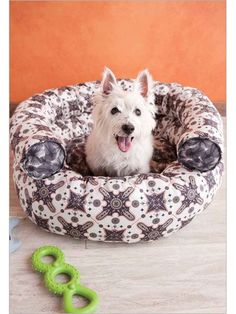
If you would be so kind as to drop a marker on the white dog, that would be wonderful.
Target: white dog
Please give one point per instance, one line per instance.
(121, 142)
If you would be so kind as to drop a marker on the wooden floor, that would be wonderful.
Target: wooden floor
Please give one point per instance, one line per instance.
(185, 273)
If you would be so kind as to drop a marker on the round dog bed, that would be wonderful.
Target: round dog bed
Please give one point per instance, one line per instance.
(56, 191)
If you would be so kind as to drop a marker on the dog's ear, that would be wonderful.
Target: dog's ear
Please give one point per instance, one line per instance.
(144, 83)
(108, 81)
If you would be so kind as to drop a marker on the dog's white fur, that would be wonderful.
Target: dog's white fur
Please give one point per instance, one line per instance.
(103, 154)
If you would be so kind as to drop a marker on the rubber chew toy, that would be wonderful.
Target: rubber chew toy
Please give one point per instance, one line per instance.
(69, 289)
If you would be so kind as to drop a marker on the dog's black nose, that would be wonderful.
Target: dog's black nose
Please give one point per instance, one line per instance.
(128, 128)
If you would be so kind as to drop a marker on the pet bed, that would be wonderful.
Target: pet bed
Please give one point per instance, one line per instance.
(48, 132)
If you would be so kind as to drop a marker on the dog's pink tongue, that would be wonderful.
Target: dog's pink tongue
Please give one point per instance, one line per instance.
(124, 143)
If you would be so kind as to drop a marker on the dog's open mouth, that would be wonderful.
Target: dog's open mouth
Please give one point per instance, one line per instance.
(124, 143)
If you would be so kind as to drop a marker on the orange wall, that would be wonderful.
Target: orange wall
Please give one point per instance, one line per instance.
(59, 43)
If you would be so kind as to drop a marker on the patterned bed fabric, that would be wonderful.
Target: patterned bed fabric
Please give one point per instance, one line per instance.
(59, 194)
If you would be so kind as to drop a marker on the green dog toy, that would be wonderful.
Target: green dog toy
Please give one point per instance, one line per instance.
(69, 289)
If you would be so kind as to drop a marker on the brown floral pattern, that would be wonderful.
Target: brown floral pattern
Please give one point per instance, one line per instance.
(59, 194)
(116, 203)
(191, 196)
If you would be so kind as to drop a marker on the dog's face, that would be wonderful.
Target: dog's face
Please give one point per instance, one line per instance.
(124, 117)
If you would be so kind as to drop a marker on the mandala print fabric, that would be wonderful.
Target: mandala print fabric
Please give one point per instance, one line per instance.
(58, 193)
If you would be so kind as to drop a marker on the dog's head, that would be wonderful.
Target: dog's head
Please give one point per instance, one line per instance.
(124, 117)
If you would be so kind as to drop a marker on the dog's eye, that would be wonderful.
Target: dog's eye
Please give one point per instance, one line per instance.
(137, 112)
(114, 110)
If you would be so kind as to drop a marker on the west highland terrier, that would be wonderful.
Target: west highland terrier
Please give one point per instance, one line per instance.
(121, 142)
